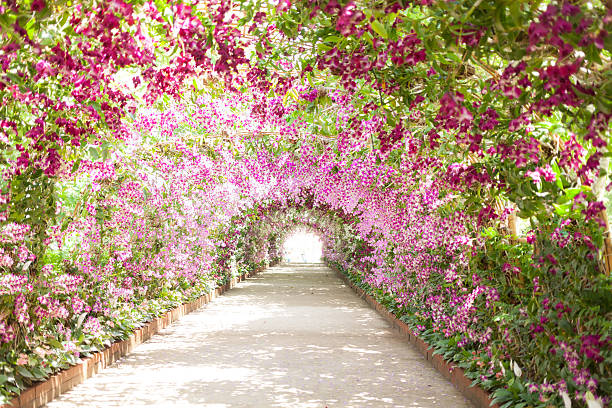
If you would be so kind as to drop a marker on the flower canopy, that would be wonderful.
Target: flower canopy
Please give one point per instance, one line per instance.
(150, 150)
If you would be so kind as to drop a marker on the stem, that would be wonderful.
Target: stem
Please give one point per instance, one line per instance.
(470, 11)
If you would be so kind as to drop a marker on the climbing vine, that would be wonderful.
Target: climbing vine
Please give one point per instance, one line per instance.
(151, 149)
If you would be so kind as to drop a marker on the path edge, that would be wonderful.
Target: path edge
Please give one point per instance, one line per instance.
(41, 393)
(456, 375)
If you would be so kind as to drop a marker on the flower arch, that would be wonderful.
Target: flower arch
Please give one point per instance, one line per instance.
(150, 149)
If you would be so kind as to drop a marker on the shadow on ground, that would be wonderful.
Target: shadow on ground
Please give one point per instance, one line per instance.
(294, 336)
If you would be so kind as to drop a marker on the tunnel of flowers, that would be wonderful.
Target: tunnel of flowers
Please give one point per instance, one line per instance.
(452, 156)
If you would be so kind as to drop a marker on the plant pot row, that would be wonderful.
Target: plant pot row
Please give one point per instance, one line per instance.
(42, 393)
(456, 375)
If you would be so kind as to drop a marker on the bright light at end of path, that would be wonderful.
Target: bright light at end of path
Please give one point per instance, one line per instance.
(303, 247)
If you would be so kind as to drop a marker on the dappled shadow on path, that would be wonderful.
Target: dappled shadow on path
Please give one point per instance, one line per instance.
(295, 336)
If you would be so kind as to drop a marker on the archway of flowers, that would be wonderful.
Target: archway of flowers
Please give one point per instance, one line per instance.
(151, 149)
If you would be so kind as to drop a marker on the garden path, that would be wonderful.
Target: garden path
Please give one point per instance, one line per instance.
(294, 336)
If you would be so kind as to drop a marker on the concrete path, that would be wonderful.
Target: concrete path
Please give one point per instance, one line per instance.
(294, 336)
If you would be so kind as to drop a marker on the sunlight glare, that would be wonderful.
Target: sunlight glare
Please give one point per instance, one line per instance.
(303, 247)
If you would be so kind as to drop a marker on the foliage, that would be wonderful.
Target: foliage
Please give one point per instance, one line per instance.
(149, 150)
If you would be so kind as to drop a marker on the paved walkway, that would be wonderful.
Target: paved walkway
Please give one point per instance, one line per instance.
(294, 336)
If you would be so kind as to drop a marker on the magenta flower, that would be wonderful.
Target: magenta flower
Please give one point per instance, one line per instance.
(38, 5)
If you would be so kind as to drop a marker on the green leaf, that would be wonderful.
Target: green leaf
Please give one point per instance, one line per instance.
(105, 150)
(379, 29)
(562, 210)
(570, 193)
(38, 373)
(322, 48)
(95, 154)
(76, 165)
(558, 174)
(55, 343)
(333, 38)
(24, 372)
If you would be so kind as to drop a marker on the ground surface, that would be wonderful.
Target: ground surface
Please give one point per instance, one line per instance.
(294, 336)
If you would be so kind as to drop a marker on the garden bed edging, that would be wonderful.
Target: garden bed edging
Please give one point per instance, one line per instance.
(456, 375)
(41, 393)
